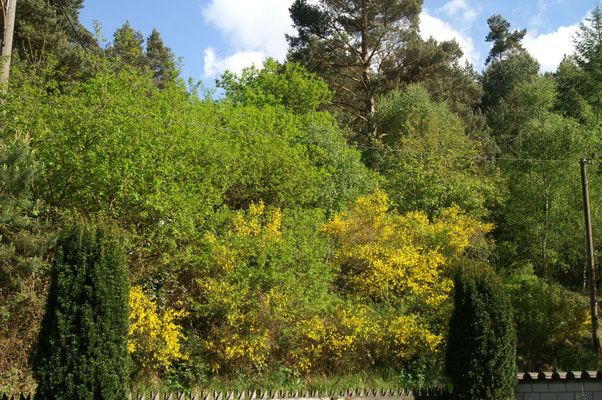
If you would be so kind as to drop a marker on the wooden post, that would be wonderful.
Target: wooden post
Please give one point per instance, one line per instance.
(590, 256)
(7, 44)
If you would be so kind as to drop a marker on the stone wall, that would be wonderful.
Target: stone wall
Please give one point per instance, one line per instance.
(586, 385)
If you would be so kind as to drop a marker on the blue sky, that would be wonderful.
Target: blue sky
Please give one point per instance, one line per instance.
(213, 35)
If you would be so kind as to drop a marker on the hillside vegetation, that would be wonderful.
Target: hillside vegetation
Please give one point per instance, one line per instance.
(302, 229)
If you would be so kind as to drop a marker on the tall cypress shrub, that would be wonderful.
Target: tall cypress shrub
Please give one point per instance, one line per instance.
(82, 346)
(481, 352)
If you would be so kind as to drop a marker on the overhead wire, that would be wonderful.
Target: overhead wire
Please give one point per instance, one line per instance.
(356, 146)
(79, 39)
(330, 143)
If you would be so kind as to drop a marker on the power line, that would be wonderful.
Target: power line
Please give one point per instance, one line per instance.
(330, 143)
(356, 146)
(79, 39)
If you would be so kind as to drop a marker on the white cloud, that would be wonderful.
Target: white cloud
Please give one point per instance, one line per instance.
(441, 30)
(550, 48)
(215, 65)
(461, 8)
(252, 27)
(538, 19)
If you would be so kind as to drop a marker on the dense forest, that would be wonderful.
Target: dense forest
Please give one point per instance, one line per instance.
(303, 227)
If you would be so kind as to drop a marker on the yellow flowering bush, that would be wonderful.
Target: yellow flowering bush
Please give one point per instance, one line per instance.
(268, 299)
(395, 264)
(155, 339)
(247, 290)
(381, 255)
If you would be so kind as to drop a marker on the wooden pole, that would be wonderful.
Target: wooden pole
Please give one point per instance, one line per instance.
(590, 256)
(7, 44)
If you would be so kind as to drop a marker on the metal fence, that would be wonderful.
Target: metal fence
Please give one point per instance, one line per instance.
(376, 394)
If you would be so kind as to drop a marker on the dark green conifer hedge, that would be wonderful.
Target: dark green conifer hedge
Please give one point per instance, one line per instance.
(82, 346)
(481, 352)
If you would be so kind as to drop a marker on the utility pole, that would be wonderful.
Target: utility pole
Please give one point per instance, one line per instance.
(590, 256)
(7, 43)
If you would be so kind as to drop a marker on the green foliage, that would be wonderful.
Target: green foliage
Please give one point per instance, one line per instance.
(570, 101)
(127, 46)
(288, 85)
(82, 346)
(429, 162)
(544, 199)
(160, 59)
(160, 162)
(588, 56)
(223, 202)
(552, 323)
(504, 42)
(24, 242)
(436, 66)
(481, 349)
(354, 45)
(52, 28)
(500, 78)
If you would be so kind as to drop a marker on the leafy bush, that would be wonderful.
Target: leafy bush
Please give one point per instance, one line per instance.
(264, 276)
(154, 340)
(551, 324)
(432, 164)
(481, 350)
(82, 346)
(393, 272)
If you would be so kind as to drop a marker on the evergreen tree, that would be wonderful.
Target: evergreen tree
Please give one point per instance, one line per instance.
(128, 49)
(481, 349)
(588, 56)
(570, 99)
(499, 81)
(127, 46)
(160, 60)
(52, 28)
(82, 347)
(24, 242)
(504, 41)
(354, 45)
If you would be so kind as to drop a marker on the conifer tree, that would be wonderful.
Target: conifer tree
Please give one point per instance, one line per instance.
(160, 59)
(52, 28)
(127, 46)
(588, 56)
(504, 41)
(481, 350)
(24, 243)
(82, 347)
(354, 45)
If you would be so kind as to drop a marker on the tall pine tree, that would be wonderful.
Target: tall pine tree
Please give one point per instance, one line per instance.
(354, 45)
(160, 60)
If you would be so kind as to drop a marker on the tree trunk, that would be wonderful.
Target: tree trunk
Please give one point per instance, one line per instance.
(366, 73)
(546, 227)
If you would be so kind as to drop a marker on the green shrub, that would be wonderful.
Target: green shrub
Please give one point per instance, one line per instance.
(552, 324)
(480, 359)
(82, 346)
